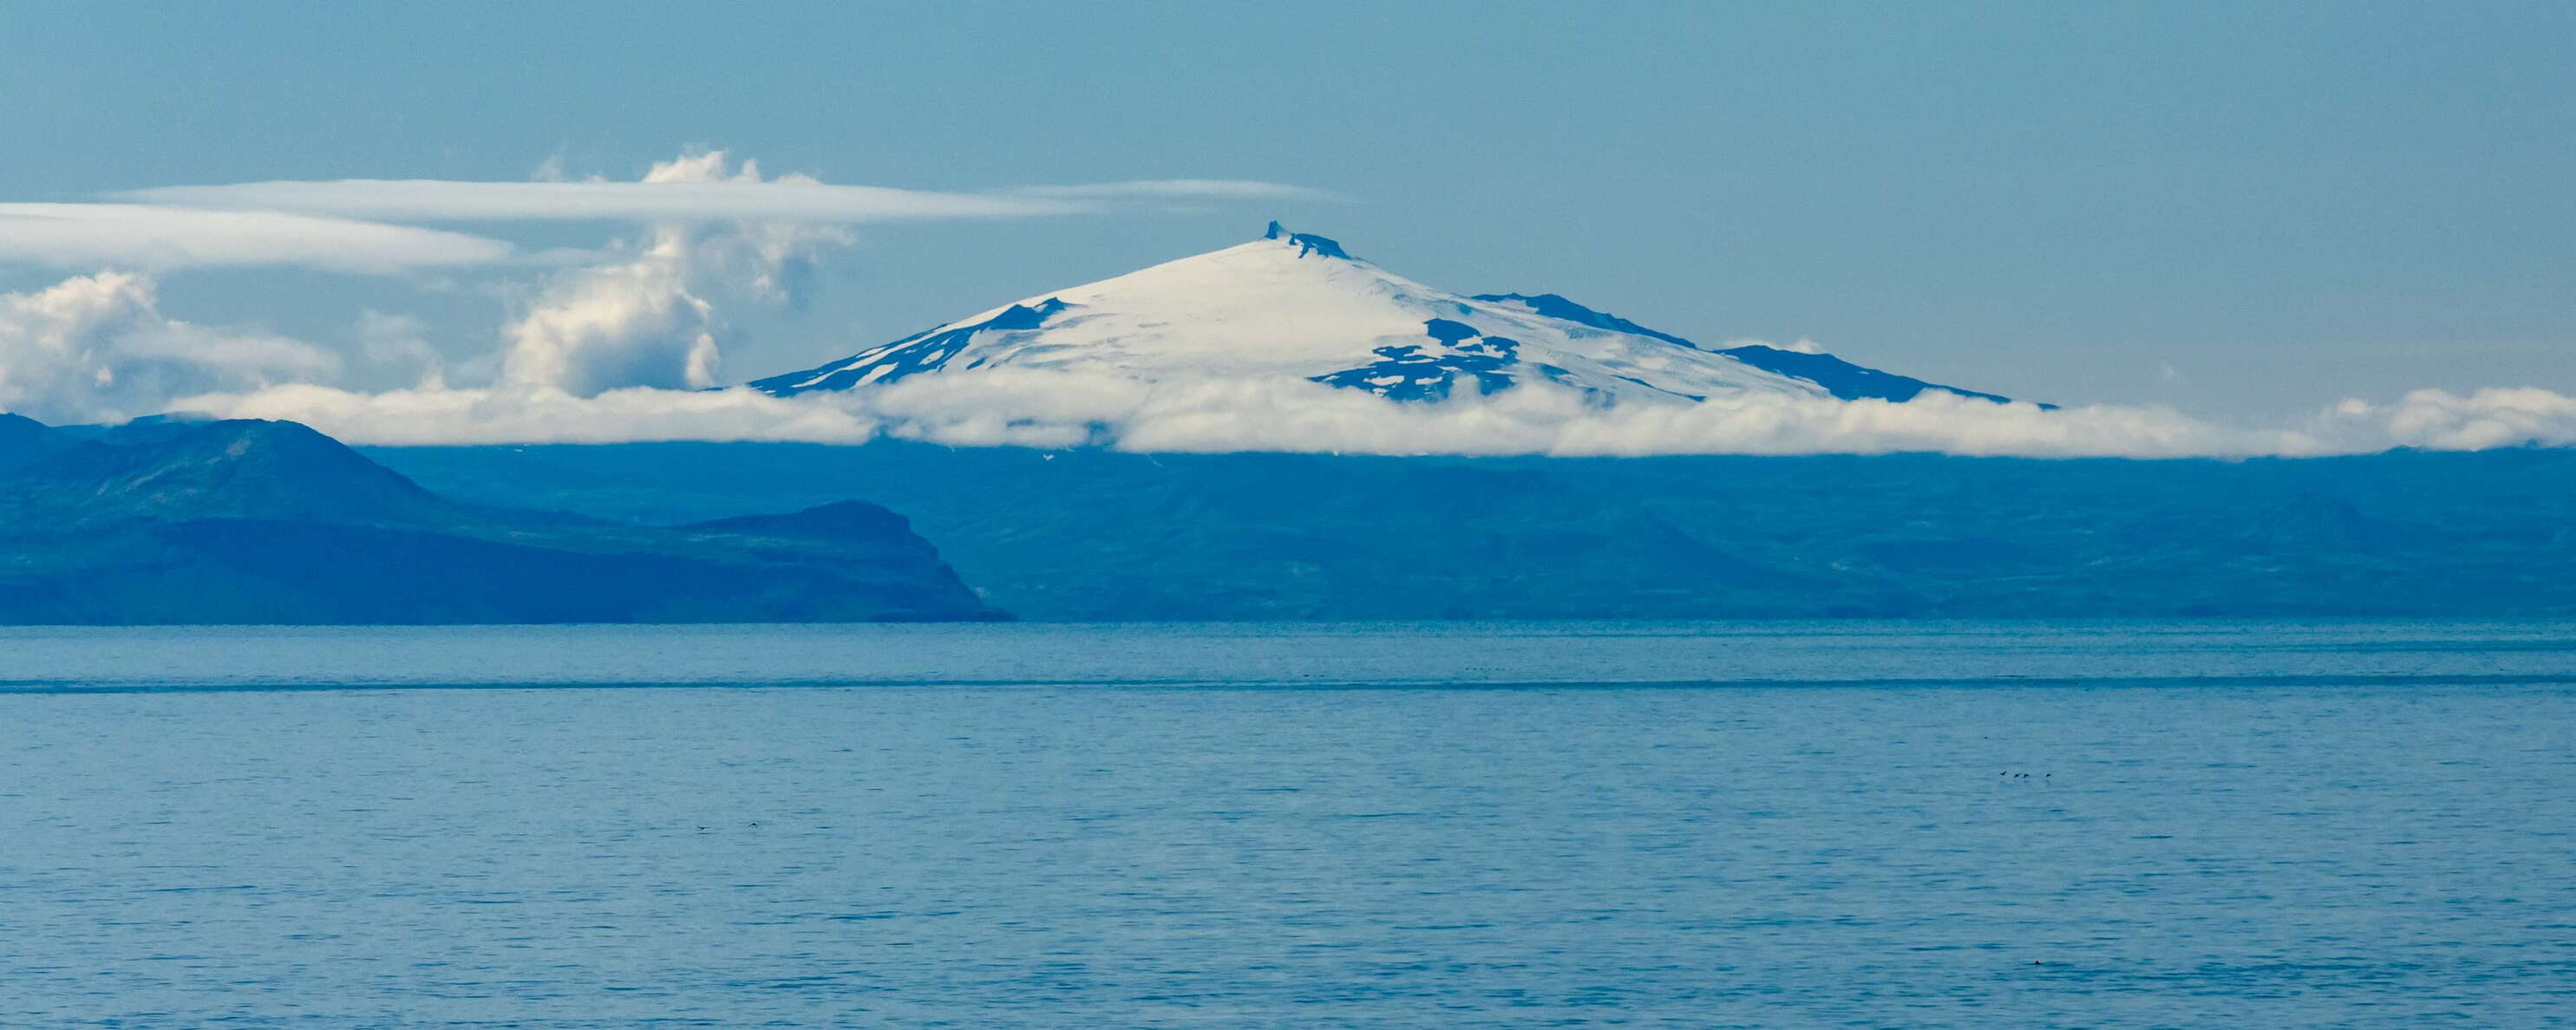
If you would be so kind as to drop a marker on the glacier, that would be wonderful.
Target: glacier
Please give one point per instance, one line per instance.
(1299, 306)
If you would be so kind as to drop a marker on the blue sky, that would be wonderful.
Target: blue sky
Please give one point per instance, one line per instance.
(2234, 210)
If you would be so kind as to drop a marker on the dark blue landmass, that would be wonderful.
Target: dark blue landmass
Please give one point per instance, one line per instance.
(173, 521)
(1089, 534)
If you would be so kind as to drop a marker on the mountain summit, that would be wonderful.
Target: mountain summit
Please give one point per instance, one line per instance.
(1294, 304)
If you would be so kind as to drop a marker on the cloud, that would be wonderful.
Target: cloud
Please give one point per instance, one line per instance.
(395, 351)
(437, 200)
(152, 238)
(1179, 189)
(540, 414)
(2439, 420)
(679, 190)
(1053, 409)
(344, 225)
(96, 347)
(627, 323)
(550, 170)
(1057, 409)
(648, 315)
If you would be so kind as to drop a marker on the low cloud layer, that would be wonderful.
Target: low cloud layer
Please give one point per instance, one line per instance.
(2439, 420)
(542, 414)
(1058, 410)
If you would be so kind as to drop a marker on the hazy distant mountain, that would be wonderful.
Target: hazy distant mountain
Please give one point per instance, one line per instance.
(1297, 305)
(263, 522)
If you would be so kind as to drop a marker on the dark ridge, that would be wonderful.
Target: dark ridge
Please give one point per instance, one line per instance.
(1309, 243)
(1554, 306)
(24, 440)
(1846, 380)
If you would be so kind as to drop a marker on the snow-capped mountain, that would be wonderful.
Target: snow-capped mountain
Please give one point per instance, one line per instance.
(1298, 305)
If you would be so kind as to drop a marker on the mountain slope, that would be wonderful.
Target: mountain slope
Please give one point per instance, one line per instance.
(1297, 305)
(24, 440)
(271, 522)
(1841, 378)
(241, 468)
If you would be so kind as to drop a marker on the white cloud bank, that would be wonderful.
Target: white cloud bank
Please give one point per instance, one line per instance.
(2439, 420)
(1057, 409)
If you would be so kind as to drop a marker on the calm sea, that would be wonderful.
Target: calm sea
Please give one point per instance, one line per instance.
(1853, 824)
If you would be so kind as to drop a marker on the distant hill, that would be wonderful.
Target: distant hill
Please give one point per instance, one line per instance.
(1090, 534)
(241, 469)
(271, 522)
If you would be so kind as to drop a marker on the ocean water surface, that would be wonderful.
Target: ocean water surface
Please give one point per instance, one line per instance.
(1826, 824)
